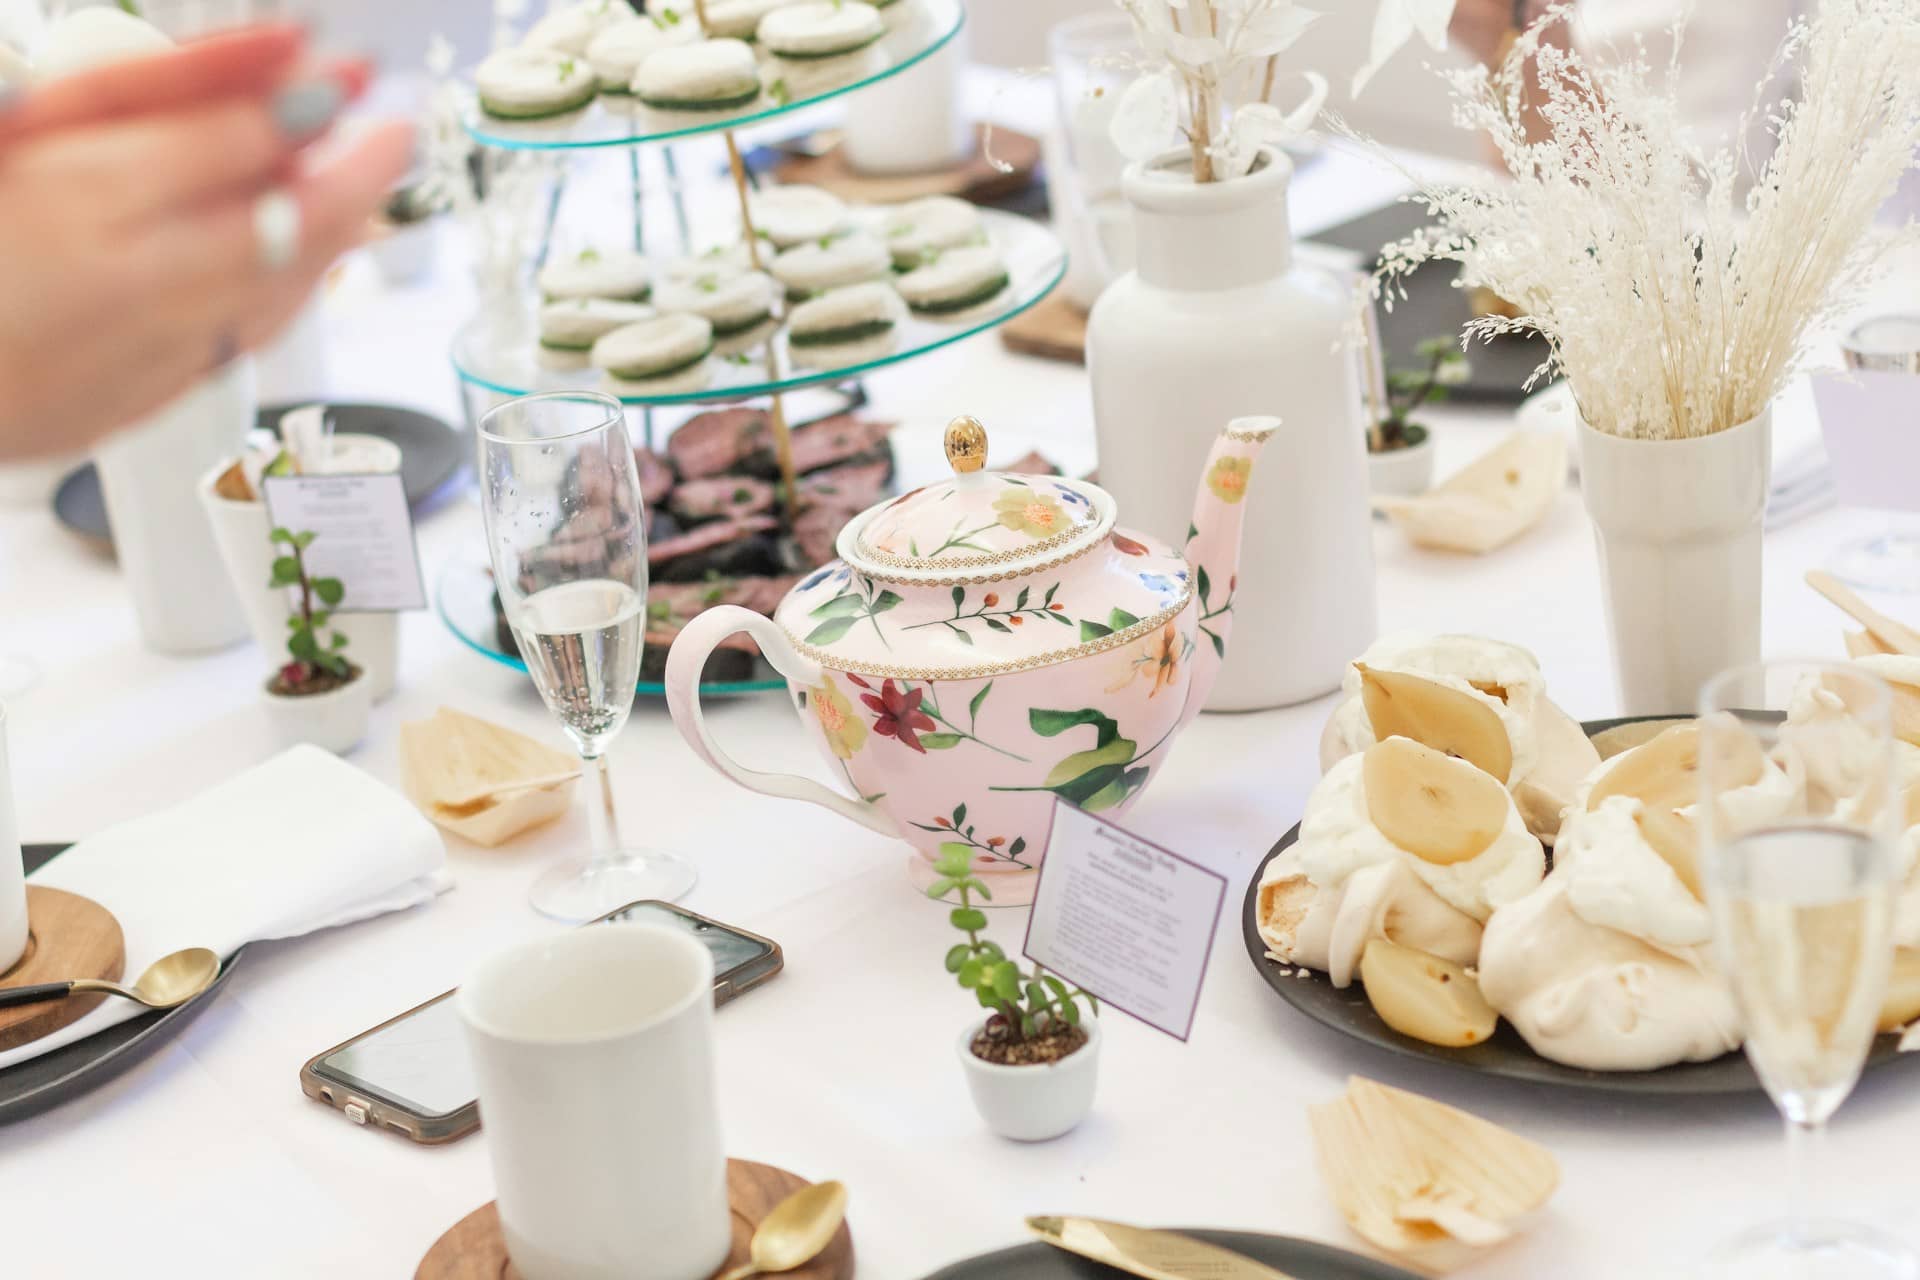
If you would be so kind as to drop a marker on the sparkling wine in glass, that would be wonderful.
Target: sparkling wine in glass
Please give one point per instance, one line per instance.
(566, 530)
(1798, 816)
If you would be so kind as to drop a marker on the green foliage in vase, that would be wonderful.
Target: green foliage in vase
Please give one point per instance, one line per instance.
(1442, 366)
(1020, 1004)
(310, 655)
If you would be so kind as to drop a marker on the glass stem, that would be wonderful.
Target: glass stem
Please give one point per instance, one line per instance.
(1806, 1153)
(602, 820)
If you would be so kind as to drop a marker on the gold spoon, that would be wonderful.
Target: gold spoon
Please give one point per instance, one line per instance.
(796, 1232)
(171, 980)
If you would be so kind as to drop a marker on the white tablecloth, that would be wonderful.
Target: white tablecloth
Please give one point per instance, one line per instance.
(208, 1161)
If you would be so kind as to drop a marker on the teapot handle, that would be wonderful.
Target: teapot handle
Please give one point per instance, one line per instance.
(688, 658)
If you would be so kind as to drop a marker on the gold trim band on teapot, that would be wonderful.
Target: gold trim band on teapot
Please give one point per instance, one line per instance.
(893, 561)
(886, 670)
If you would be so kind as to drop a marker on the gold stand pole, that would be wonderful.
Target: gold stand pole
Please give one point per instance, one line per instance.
(777, 412)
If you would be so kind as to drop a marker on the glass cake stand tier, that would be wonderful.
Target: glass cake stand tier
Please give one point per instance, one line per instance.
(499, 347)
(915, 29)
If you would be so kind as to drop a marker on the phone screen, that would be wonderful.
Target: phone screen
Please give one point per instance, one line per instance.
(420, 1064)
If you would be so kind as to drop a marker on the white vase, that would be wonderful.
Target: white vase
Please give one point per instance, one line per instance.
(1677, 524)
(240, 531)
(915, 122)
(1217, 322)
(335, 721)
(1038, 1102)
(13, 881)
(148, 475)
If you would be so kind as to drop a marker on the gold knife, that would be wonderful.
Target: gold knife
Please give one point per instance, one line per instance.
(1150, 1254)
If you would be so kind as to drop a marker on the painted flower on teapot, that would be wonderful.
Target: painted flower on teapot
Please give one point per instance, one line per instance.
(990, 644)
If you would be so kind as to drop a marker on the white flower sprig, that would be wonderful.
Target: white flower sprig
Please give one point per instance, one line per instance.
(1207, 72)
(1674, 306)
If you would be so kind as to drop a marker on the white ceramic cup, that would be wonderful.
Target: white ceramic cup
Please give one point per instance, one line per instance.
(13, 881)
(593, 1051)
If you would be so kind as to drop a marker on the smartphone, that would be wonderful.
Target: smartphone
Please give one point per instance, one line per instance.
(410, 1074)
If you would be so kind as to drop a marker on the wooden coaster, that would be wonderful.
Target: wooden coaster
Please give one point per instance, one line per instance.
(475, 1250)
(68, 937)
(1052, 328)
(972, 179)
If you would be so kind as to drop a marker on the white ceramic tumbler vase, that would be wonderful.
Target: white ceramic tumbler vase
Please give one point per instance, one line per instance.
(1677, 524)
(149, 474)
(13, 882)
(593, 1054)
(1216, 322)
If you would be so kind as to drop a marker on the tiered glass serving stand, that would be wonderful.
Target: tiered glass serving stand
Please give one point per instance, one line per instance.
(497, 354)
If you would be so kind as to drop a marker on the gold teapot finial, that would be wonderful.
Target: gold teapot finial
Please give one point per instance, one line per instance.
(966, 444)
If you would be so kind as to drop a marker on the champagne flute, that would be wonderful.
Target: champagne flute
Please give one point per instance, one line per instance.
(567, 533)
(1799, 813)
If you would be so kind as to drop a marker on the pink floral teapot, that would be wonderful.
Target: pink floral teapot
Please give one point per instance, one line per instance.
(988, 643)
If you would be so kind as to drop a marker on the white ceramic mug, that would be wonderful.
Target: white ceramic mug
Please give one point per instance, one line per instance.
(13, 882)
(593, 1051)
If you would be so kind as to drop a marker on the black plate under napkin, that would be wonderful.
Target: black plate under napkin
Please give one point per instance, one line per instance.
(431, 454)
(1303, 1259)
(74, 1069)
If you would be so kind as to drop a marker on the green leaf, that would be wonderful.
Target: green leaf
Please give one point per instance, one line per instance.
(1202, 581)
(1048, 598)
(960, 814)
(1060, 618)
(320, 618)
(979, 886)
(955, 859)
(1092, 631)
(939, 741)
(1071, 1012)
(994, 624)
(972, 919)
(962, 637)
(1193, 531)
(286, 572)
(957, 955)
(1054, 985)
(839, 607)
(1051, 724)
(885, 601)
(1020, 601)
(1006, 980)
(1118, 752)
(942, 887)
(1219, 645)
(830, 630)
(281, 535)
(987, 999)
(1116, 791)
(970, 972)
(301, 645)
(959, 597)
(1027, 1025)
(1035, 996)
(1120, 620)
(338, 642)
(304, 540)
(991, 950)
(1092, 1003)
(330, 590)
(979, 699)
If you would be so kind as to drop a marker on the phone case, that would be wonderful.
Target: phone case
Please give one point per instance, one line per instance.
(364, 1108)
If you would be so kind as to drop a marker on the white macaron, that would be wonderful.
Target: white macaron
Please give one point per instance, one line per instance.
(598, 273)
(790, 215)
(617, 51)
(578, 323)
(654, 348)
(570, 28)
(852, 314)
(706, 76)
(740, 19)
(955, 280)
(913, 229)
(831, 263)
(526, 84)
(821, 28)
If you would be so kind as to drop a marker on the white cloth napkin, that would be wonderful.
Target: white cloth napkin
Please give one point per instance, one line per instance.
(302, 842)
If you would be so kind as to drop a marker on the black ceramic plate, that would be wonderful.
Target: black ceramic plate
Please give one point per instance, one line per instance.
(1434, 308)
(1302, 1259)
(1506, 1054)
(431, 454)
(52, 1078)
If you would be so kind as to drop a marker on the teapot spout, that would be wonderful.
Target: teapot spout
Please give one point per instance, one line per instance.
(1213, 545)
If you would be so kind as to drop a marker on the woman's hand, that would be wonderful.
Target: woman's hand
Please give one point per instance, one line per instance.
(129, 246)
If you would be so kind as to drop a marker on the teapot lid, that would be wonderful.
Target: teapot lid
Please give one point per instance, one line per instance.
(978, 520)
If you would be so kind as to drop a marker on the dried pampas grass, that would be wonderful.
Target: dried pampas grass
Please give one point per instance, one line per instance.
(1674, 306)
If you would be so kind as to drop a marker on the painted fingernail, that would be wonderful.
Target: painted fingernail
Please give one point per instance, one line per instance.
(304, 109)
(10, 97)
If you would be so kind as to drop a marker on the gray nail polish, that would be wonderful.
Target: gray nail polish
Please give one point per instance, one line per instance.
(302, 110)
(10, 96)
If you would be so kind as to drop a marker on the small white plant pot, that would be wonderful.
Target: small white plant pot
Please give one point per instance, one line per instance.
(1033, 1103)
(335, 720)
(405, 255)
(1406, 472)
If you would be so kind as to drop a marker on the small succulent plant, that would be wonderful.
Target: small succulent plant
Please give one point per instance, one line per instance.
(311, 657)
(1443, 366)
(1020, 1005)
